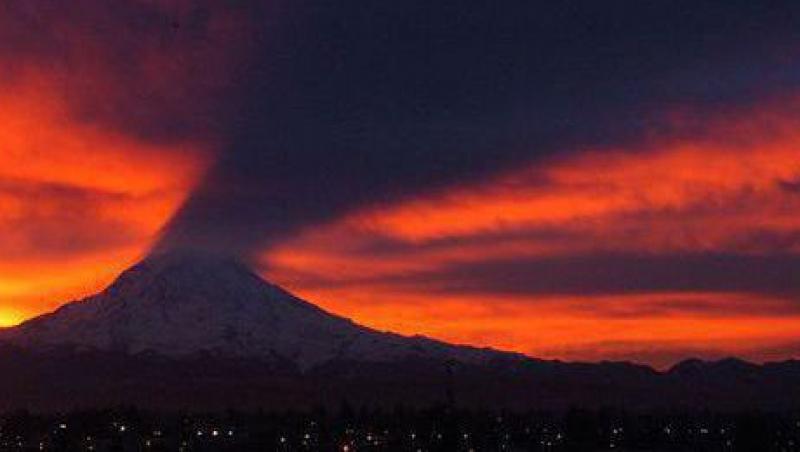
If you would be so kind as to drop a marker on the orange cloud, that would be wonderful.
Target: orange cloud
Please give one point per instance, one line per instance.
(598, 185)
(581, 328)
(735, 189)
(77, 201)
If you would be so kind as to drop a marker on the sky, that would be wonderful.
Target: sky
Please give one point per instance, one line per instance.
(577, 180)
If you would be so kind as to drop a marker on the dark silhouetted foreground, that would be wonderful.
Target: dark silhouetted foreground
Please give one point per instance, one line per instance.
(436, 429)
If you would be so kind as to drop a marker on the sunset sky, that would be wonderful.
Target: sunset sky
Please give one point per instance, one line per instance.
(579, 180)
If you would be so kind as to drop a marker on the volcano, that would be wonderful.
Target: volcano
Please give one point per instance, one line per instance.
(181, 304)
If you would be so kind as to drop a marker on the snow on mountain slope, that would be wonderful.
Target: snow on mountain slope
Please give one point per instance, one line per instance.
(181, 304)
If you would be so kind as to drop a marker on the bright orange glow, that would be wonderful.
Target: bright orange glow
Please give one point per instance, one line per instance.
(599, 185)
(9, 317)
(581, 328)
(77, 203)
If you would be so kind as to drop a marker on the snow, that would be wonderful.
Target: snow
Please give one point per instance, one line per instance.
(182, 304)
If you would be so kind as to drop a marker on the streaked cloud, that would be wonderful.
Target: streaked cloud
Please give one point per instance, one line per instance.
(694, 231)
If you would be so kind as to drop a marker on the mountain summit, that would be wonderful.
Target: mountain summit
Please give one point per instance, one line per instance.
(184, 304)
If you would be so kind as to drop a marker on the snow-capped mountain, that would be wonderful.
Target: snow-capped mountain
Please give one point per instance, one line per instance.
(183, 304)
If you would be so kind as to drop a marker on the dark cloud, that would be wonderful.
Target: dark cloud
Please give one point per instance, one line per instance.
(791, 186)
(319, 108)
(354, 104)
(55, 220)
(611, 274)
(676, 305)
(158, 70)
(46, 191)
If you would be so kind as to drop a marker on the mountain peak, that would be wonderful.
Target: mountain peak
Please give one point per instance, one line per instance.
(188, 265)
(182, 276)
(696, 366)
